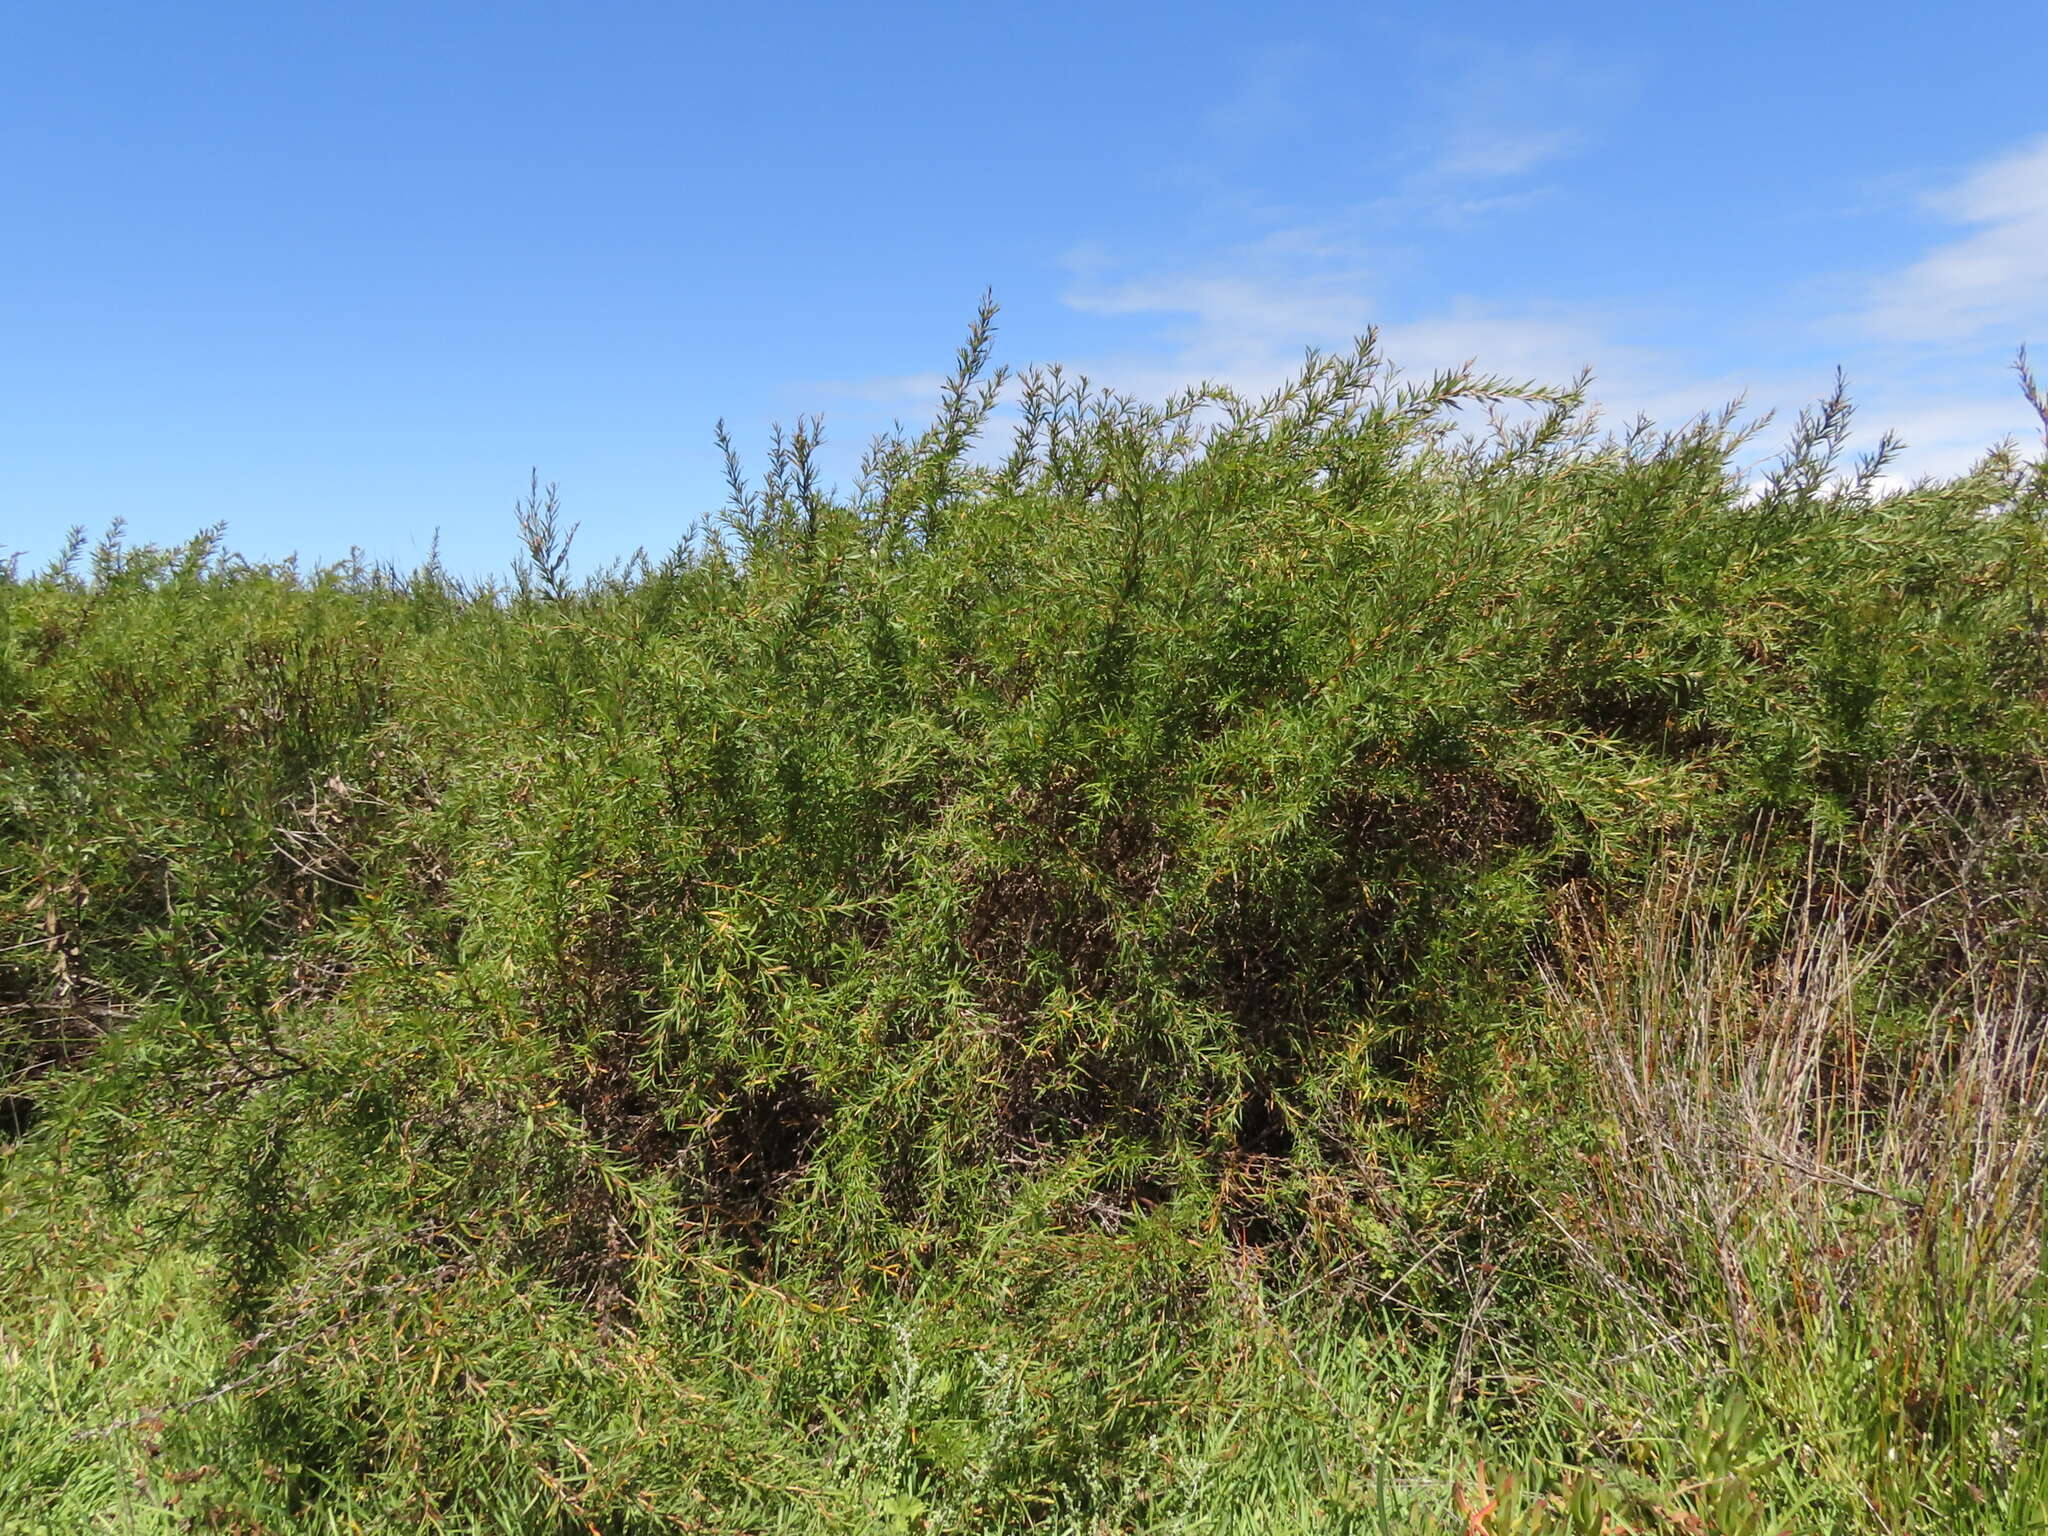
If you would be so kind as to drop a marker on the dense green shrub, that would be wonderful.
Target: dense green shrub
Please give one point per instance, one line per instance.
(1037, 995)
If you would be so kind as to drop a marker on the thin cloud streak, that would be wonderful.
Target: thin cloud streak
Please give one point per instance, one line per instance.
(1925, 354)
(1920, 357)
(1247, 324)
(1995, 278)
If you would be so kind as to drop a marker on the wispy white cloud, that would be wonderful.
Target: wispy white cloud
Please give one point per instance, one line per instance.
(1244, 314)
(1243, 317)
(1247, 323)
(1268, 102)
(1479, 125)
(1921, 353)
(1926, 354)
(1995, 278)
(1945, 434)
(1489, 155)
(1246, 317)
(917, 390)
(1499, 114)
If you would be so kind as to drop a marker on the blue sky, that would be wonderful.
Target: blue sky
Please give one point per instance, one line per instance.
(339, 274)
